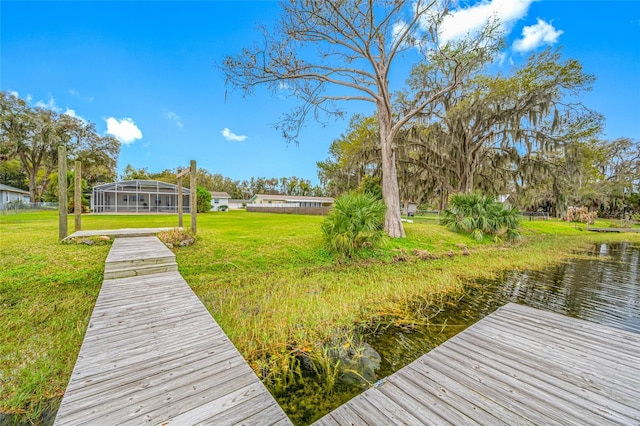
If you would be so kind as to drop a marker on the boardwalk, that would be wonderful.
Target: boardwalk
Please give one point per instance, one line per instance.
(152, 354)
(517, 366)
(115, 233)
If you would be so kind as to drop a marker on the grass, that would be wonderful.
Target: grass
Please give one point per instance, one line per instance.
(265, 278)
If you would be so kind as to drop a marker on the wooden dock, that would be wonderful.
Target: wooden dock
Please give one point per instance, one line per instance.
(618, 230)
(152, 354)
(117, 233)
(518, 366)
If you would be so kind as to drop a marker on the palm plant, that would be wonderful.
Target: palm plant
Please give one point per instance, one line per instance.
(480, 215)
(356, 221)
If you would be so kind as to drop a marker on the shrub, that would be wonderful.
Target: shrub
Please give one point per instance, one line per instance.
(480, 215)
(203, 201)
(356, 221)
(580, 215)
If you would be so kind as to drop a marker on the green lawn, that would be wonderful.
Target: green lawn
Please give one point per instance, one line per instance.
(264, 277)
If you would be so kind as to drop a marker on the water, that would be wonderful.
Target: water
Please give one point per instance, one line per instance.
(602, 287)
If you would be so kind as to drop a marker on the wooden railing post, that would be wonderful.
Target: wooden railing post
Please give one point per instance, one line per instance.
(194, 197)
(62, 192)
(77, 197)
(180, 201)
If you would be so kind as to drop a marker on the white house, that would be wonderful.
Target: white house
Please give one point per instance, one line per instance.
(237, 204)
(219, 200)
(9, 194)
(290, 200)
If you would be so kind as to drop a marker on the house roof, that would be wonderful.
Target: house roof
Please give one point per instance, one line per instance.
(219, 194)
(291, 198)
(8, 188)
(139, 185)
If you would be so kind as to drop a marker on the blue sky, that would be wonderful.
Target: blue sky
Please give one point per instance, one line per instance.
(144, 72)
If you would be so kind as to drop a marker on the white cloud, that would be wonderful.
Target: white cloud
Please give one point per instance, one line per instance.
(230, 136)
(469, 20)
(50, 104)
(534, 36)
(174, 117)
(124, 129)
(14, 93)
(72, 113)
(397, 29)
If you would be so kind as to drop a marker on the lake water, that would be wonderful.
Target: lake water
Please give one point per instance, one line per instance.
(603, 286)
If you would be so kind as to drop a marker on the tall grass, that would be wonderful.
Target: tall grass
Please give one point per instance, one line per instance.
(266, 278)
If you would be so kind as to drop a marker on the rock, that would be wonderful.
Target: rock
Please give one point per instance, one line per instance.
(169, 245)
(87, 242)
(465, 252)
(187, 242)
(104, 238)
(358, 367)
(451, 253)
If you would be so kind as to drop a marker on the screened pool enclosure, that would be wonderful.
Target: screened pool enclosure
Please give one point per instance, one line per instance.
(138, 196)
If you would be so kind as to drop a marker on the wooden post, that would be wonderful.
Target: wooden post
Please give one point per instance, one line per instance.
(62, 192)
(194, 200)
(180, 201)
(77, 197)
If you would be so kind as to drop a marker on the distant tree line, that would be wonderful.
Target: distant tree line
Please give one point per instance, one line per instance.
(239, 189)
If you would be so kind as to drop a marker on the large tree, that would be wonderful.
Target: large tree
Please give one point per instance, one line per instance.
(494, 132)
(32, 135)
(334, 50)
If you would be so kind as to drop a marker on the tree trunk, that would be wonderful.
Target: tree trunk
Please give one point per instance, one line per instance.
(390, 191)
(32, 186)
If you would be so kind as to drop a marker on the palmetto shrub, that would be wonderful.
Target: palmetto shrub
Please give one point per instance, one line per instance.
(356, 221)
(480, 215)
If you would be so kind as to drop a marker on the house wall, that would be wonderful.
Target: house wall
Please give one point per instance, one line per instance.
(236, 205)
(288, 209)
(216, 202)
(10, 196)
(142, 202)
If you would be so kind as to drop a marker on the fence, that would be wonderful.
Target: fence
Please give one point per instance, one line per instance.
(284, 209)
(535, 215)
(19, 206)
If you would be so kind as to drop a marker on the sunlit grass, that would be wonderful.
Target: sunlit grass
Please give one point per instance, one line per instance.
(266, 279)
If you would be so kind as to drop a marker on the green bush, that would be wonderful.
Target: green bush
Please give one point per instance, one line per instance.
(480, 215)
(355, 222)
(203, 200)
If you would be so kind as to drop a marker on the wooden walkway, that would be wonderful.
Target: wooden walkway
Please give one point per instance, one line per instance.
(614, 229)
(152, 354)
(518, 366)
(116, 233)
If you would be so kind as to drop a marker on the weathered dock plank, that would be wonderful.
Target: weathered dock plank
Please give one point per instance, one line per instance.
(153, 354)
(117, 233)
(519, 365)
(614, 229)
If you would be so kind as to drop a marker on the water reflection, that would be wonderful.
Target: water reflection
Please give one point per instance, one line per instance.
(604, 287)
